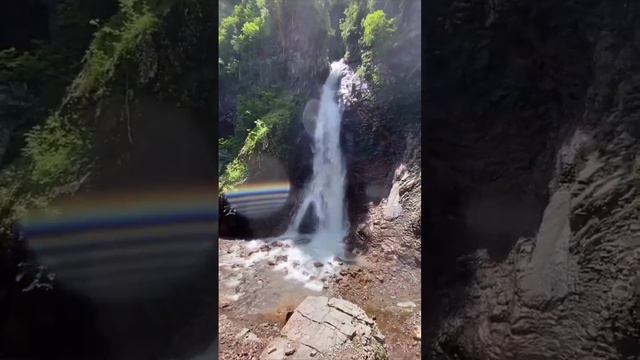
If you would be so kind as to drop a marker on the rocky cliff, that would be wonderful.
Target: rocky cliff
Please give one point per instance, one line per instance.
(381, 121)
(532, 149)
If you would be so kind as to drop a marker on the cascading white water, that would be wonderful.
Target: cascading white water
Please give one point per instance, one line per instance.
(326, 190)
(310, 257)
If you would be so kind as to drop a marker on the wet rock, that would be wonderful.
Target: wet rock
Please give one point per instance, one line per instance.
(406, 304)
(324, 327)
(242, 333)
(281, 258)
(290, 351)
(309, 222)
(251, 337)
(393, 208)
(265, 248)
(303, 240)
(318, 264)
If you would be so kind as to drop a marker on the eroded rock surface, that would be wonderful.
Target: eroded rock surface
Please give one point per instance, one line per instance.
(552, 271)
(326, 328)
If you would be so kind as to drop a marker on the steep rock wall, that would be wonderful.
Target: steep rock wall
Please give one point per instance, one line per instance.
(531, 148)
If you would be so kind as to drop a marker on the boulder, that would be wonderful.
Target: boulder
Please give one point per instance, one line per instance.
(326, 328)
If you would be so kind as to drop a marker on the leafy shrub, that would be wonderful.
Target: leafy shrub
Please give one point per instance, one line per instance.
(265, 118)
(55, 151)
(228, 149)
(235, 173)
(350, 24)
(243, 35)
(377, 30)
(113, 44)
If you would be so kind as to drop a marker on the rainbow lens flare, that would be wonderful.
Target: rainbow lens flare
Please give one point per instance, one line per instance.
(128, 244)
(260, 199)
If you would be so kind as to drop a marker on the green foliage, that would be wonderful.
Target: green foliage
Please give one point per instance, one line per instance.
(350, 25)
(235, 173)
(248, 37)
(369, 70)
(377, 30)
(255, 139)
(265, 118)
(113, 44)
(256, 104)
(243, 35)
(55, 151)
(227, 29)
(53, 156)
(24, 67)
(228, 149)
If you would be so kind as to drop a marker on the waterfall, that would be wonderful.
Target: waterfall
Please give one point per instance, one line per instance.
(325, 191)
(307, 253)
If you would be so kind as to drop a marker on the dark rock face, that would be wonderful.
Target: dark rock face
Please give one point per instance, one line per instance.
(309, 222)
(232, 225)
(23, 22)
(532, 194)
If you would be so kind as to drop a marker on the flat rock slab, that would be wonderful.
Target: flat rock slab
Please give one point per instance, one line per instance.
(320, 327)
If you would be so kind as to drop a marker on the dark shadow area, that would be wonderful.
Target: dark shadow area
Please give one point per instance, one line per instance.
(46, 322)
(157, 144)
(172, 148)
(32, 17)
(500, 98)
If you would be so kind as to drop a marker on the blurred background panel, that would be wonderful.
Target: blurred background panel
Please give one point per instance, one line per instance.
(108, 179)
